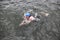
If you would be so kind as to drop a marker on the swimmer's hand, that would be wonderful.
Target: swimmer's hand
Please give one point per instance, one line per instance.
(20, 24)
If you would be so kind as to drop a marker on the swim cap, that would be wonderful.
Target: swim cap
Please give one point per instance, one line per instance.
(27, 14)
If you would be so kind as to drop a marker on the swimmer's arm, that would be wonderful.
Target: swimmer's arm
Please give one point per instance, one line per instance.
(23, 23)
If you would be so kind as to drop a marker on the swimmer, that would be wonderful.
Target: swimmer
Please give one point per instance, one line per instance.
(28, 18)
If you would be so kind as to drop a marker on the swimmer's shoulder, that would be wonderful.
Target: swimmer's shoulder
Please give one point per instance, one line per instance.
(32, 18)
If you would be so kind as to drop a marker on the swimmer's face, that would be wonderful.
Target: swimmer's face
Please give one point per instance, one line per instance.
(27, 17)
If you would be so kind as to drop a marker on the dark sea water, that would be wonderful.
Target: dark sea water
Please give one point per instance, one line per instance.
(11, 13)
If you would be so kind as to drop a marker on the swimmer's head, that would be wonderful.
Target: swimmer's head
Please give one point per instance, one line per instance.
(27, 14)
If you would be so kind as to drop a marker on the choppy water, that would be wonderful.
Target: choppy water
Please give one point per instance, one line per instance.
(48, 28)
